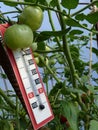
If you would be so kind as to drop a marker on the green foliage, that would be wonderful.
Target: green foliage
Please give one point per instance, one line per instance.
(69, 79)
(92, 18)
(70, 111)
(93, 125)
(71, 4)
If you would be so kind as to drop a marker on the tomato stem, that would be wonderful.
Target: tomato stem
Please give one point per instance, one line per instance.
(7, 99)
(67, 50)
(86, 7)
(53, 28)
(48, 68)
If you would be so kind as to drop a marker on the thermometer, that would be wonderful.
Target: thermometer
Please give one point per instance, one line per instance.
(31, 86)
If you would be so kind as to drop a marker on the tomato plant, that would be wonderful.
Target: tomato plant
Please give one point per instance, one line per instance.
(18, 36)
(32, 16)
(65, 51)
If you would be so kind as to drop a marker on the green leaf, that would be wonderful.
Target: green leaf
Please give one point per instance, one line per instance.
(70, 111)
(53, 3)
(93, 125)
(92, 17)
(47, 34)
(75, 32)
(90, 87)
(80, 17)
(95, 67)
(95, 51)
(4, 76)
(32, 1)
(48, 1)
(55, 33)
(70, 4)
(74, 52)
(23, 123)
(4, 125)
(10, 3)
(72, 22)
(68, 91)
(40, 46)
(56, 88)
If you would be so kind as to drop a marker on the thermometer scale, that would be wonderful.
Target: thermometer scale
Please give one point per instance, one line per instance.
(31, 86)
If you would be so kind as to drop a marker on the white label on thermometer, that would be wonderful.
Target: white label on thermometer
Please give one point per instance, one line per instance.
(33, 86)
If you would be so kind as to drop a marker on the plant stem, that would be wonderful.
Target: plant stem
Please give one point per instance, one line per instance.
(4, 81)
(90, 60)
(10, 12)
(86, 7)
(50, 51)
(7, 99)
(48, 68)
(53, 28)
(17, 113)
(33, 4)
(56, 97)
(66, 49)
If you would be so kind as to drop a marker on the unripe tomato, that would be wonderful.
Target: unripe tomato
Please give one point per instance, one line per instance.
(52, 61)
(32, 16)
(34, 46)
(36, 60)
(18, 36)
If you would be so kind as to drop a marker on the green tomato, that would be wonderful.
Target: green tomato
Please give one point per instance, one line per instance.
(34, 46)
(32, 16)
(52, 61)
(10, 4)
(18, 36)
(36, 60)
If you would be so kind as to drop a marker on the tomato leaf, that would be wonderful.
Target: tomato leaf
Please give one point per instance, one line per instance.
(95, 51)
(32, 1)
(70, 4)
(80, 16)
(92, 17)
(55, 33)
(56, 88)
(47, 34)
(76, 32)
(72, 22)
(93, 125)
(95, 67)
(70, 111)
(40, 46)
(53, 3)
